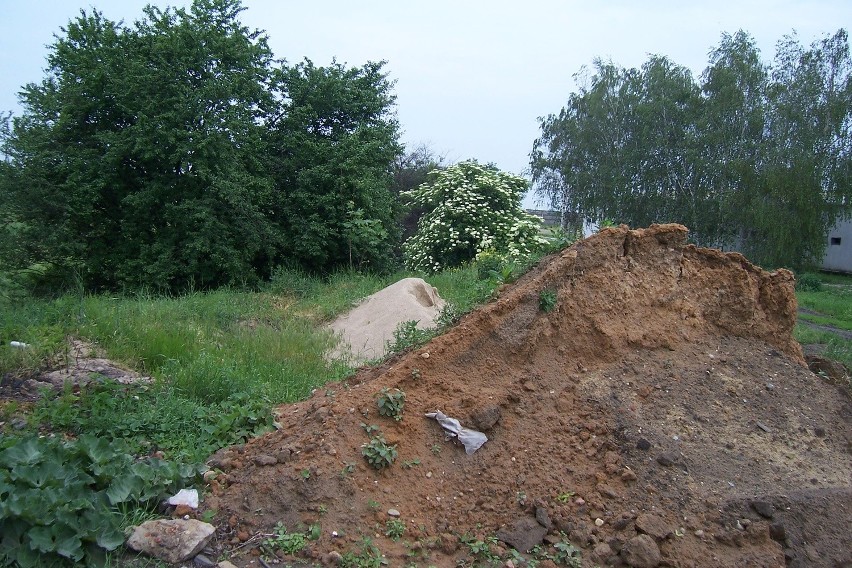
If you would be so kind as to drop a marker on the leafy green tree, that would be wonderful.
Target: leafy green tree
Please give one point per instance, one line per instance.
(755, 157)
(472, 209)
(137, 158)
(732, 127)
(410, 170)
(806, 183)
(331, 148)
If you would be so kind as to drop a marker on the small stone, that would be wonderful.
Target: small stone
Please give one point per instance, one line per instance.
(643, 444)
(523, 534)
(601, 553)
(226, 564)
(332, 558)
(653, 525)
(579, 501)
(819, 432)
(264, 460)
(484, 419)
(182, 511)
(203, 562)
(764, 509)
(393, 513)
(667, 459)
(425, 355)
(243, 536)
(699, 533)
(628, 475)
(599, 522)
(641, 552)
(543, 518)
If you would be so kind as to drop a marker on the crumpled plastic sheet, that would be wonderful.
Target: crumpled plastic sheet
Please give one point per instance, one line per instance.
(187, 497)
(471, 439)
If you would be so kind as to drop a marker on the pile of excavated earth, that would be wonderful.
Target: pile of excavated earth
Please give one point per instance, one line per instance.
(643, 400)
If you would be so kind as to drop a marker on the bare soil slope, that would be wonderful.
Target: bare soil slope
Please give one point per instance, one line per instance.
(663, 395)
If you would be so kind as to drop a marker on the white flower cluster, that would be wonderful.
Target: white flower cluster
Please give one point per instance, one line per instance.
(474, 208)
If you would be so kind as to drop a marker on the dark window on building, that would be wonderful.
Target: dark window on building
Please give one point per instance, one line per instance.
(835, 240)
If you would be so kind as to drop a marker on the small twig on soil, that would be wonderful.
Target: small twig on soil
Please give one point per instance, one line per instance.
(252, 540)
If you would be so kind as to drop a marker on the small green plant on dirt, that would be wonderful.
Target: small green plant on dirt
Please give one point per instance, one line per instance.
(415, 374)
(378, 452)
(394, 528)
(408, 335)
(373, 504)
(391, 403)
(348, 469)
(521, 498)
(369, 429)
(369, 556)
(286, 542)
(547, 300)
(306, 474)
(565, 496)
(482, 550)
(408, 464)
(567, 554)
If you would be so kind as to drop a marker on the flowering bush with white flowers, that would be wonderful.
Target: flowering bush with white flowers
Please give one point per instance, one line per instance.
(473, 208)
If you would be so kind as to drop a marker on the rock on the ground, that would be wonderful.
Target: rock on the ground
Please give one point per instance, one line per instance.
(653, 525)
(171, 540)
(763, 508)
(523, 534)
(484, 419)
(641, 552)
(601, 553)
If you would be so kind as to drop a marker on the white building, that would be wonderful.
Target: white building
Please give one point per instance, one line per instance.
(838, 253)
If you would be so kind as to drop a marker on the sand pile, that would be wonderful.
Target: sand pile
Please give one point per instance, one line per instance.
(366, 330)
(659, 414)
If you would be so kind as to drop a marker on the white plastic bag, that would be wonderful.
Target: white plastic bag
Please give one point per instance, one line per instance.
(471, 439)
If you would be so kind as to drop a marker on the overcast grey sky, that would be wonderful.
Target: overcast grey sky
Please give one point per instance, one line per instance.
(472, 77)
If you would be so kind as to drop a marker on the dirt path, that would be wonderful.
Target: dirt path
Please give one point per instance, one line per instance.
(660, 415)
(844, 333)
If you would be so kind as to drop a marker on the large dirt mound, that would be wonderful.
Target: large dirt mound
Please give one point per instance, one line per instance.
(659, 414)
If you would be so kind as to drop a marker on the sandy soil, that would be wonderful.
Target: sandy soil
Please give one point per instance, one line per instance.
(660, 414)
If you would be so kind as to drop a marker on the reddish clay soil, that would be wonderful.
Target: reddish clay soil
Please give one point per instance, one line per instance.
(663, 396)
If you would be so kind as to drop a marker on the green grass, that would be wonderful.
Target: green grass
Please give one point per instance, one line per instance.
(202, 349)
(834, 306)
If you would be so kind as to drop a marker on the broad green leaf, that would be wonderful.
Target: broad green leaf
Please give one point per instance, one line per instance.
(97, 449)
(110, 538)
(26, 452)
(124, 488)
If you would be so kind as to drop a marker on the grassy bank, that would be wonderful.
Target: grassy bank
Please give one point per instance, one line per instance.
(827, 304)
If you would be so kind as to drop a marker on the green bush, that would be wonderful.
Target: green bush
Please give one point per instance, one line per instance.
(378, 452)
(474, 208)
(391, 403)
(808, 282)
(61, 501)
